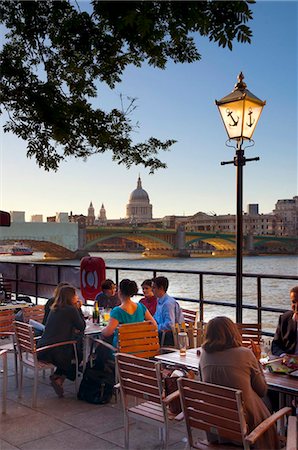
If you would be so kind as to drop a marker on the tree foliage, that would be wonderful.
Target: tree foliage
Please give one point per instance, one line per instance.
(55, 57)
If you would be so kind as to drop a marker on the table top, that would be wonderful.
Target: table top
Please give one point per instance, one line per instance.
(13, 305)
(286, 384)
(93, 328)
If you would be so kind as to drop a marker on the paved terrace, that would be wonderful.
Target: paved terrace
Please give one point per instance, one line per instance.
(69, 424)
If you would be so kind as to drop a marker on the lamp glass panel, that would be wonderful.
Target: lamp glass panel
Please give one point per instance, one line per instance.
(252, 112)
(232, 116)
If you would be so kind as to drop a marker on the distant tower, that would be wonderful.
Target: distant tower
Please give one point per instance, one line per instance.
(139, 207)
(91, 215)
(102, 218)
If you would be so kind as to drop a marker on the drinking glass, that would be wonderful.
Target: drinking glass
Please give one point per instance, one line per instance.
(106, 315)
(182, 342)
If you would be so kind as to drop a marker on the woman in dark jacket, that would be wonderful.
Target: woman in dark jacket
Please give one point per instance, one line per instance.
(65, 322)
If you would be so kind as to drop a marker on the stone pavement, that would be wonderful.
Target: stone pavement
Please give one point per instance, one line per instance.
(69, 424)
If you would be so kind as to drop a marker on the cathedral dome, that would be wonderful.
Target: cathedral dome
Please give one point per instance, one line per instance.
(139, 194)
(138, 206)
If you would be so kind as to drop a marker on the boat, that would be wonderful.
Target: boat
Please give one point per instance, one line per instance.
(5, 249)
(18, 249)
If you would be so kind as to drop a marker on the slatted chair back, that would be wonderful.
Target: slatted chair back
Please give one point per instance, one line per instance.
(190, 316)
(219, 410)
(25, 340)
(195, 333)
(139, 339)
(35, 312)
(141, 378)
(250, 331)
(6, 322)
(7, 318)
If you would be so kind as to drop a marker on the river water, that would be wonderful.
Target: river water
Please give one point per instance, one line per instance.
(274, 292)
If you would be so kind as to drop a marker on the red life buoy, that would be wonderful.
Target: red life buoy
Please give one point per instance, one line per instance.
(93, 272)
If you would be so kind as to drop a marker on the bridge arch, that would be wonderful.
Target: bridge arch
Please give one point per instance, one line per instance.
(217, 242)
(147, 241)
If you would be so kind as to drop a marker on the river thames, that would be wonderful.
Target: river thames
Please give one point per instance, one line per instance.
(274, 292)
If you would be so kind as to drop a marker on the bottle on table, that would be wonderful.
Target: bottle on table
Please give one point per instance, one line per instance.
(95, 315)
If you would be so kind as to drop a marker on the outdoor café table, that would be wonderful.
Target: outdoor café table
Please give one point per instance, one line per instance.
(90, 330)
(13, 305)
(282, 383)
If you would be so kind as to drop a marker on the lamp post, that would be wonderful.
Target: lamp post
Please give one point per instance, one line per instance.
(240, 111)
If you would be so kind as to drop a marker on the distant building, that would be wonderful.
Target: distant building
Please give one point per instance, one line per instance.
(61, 217)
(286, 213)
(139, 208)
(17, 216)
(253, 208)
(102, 217)
(90, 219)
(37, 218)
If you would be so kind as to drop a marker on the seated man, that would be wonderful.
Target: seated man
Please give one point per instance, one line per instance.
(108, 297)
(285, 340)
(168, 311)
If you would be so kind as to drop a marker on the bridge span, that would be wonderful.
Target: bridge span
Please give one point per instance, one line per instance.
(74, 240)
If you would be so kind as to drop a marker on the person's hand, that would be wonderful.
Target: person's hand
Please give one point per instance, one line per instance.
(256, 349)
(79, 303)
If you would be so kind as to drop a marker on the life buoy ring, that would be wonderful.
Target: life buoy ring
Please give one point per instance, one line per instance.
(92, 274)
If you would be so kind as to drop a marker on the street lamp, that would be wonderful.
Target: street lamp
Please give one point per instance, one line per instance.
(240, 111)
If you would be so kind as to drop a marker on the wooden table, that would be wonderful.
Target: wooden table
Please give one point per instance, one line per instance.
(14, 305)
(284, 384)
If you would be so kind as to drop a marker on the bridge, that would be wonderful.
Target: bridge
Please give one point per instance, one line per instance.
(73, 240)
(178, 242)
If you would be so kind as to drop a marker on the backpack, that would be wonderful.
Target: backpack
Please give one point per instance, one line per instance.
(98, 379)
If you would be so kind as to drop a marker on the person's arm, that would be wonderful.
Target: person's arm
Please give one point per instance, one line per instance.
(78, 319)
(277, 346)
(257, 377)
(110, 328)
(148, 317)
(168, 317)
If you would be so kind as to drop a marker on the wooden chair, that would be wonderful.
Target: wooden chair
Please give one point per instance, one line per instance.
(219, 410)
(7, 331)
(250, 331)
(138, 339)
(3, 356)
(292, 440)
(35, 312)
(141, 378)
(195, 333)
(190, 316)
(27, 352)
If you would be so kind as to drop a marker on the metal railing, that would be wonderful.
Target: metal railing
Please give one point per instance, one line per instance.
(63, 272)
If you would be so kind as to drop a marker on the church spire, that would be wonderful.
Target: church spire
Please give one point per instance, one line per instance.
(139, 186)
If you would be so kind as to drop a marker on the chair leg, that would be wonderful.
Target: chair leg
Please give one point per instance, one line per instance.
(126, 432)
(16, 368)
(4, 386)
(21, 379)
(35, 388)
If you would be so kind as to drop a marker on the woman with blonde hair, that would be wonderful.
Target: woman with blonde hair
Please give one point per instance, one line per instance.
(65, 322)
(225, 362)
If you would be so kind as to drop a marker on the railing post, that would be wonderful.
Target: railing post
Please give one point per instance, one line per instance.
(36, 284)
(201, 298)
(17, 280)
(117, 277)
(259, 300)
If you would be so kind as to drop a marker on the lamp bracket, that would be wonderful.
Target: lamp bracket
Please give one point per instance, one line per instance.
(224, 163)
(236, 147)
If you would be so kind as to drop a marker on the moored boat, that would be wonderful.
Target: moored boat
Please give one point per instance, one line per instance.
(18, 249)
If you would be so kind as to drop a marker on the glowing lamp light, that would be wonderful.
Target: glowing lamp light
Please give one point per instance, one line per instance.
(240, 111)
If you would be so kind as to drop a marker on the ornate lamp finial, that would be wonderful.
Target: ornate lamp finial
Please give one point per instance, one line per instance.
(240, 85)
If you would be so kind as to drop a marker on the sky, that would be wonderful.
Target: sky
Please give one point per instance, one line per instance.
(179, 103)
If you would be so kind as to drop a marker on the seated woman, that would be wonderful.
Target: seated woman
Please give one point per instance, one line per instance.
(150, 301)
(128, 312)
(65, 322)
(225, 362)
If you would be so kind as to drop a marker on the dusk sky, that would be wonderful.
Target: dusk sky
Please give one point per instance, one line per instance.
(178, 103)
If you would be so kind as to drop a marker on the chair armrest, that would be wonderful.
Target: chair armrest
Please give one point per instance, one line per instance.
(292, 433)
(7, 333)
(266, 424)
(117, 386)
(105, 344)
(163, 350)
(58, 344)
(2, 352)
(171, 397)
